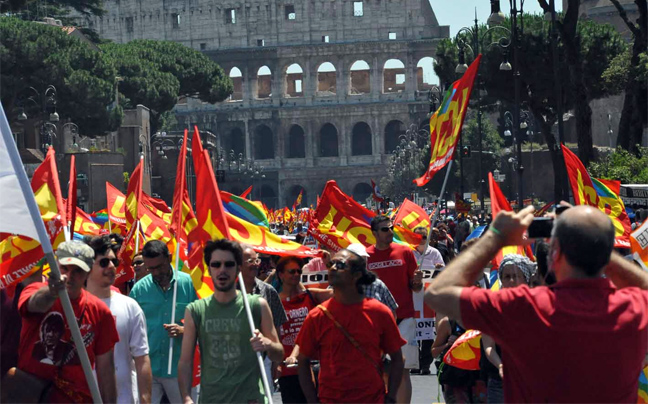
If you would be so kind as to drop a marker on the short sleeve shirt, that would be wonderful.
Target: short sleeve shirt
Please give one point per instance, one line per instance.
(269, 293)
(47, 345)
(395, 266)
(157, 306)
(346, 375)
(580, 340)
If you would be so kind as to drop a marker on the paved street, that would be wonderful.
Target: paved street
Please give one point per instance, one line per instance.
(425, 390)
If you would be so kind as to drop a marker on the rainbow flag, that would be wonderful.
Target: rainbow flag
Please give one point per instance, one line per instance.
(242, 208)
(643, 386)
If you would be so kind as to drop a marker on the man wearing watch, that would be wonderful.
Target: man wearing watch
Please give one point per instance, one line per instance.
(396, 266)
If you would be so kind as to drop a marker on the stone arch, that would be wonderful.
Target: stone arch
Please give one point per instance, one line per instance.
(393, 130)
(263, 143)
(296, 147)
(268, 196)
(426, 78)
(360, 78)
(328, 141)
(293, 193)
(237, 80)
(236, 142)
(294, 81)
(264, 83)
(326, 79)
(361, 192)
(393, 76)
(361, 139)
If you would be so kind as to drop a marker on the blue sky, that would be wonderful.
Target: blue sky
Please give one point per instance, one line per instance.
(460, 13)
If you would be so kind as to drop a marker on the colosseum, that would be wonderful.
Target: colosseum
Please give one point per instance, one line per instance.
(322, 89)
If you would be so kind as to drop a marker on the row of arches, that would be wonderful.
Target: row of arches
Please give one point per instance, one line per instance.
(360, 79)
(326, 142)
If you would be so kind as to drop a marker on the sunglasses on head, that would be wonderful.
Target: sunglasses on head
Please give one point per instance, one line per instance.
(227, 264)
(104, 262)
(386, 229)
(294, 271)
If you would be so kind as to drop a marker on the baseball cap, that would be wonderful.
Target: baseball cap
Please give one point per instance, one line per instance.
(75, 252)
(358, 249)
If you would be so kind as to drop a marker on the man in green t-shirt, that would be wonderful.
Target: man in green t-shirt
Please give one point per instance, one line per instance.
(229, 368)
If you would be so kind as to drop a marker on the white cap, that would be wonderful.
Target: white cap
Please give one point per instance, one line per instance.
(358, 249)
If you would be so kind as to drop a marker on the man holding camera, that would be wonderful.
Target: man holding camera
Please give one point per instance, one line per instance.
(589, 338)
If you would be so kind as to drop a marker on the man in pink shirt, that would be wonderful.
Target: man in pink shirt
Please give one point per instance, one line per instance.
(584, 339)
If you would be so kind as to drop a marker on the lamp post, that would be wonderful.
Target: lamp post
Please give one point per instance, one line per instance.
(477, 39)
(406, 160)
(46, 102)
(497, 17)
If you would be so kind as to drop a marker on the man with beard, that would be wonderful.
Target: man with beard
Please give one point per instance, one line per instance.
(229, 369)
(132, 363)
(154, 294)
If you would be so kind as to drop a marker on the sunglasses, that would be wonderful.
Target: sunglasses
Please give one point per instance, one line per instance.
(137, 263)
(337, 265)
(386, 229)
(294, 271)
(226, 264)
(104, 262)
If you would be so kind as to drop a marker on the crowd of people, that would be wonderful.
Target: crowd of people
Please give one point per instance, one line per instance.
(570, 327)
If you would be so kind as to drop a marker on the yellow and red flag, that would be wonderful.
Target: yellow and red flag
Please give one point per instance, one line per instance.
(116, 206)
(134, 194)
(411, 216)
(465, 352)
(339, 221)
(298, 201)
(20, 254)
(71, 203)
(85, 226)
(446, 122)
(603, 194)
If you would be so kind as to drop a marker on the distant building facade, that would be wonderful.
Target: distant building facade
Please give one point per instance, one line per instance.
(322, 89)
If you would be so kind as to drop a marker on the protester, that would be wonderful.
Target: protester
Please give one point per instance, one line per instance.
(138, 267)
(350, 372)
(297, 300)
(229, 369)
(154, 294)
(395, 265)
(47, 350)
(514, 270)
(132, 363)
(582, 313)
(443, 242)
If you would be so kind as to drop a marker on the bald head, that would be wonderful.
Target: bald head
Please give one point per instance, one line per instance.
(585, 236)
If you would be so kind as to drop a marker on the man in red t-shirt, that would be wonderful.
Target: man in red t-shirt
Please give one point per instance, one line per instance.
(350, 374)
(396, 266)
(46, 346)
(580, 340)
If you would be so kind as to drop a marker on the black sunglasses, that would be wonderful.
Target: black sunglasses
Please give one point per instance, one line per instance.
(294, 271)
(386, 229)
(227, 264)
(138, 262)
(104, 262)
(338, 265)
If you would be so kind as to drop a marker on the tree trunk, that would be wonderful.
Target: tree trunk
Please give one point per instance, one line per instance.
(555, 152)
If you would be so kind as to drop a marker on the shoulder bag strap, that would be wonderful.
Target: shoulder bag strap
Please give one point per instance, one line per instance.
(350, 338)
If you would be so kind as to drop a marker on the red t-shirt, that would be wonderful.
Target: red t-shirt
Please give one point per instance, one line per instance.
(395, 266)
(580, 340)
(346, 375)
(297, 309)
(46, 344)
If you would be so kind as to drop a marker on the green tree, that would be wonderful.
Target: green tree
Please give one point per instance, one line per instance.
(156, 73)
(32, 10)
(629, 168)
(598, 45)
(38, 55)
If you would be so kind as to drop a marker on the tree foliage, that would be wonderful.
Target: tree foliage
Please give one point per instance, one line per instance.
(154, 73)
(492, 148)
(623, 166)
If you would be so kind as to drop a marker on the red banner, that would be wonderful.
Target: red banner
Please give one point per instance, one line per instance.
(411, 216)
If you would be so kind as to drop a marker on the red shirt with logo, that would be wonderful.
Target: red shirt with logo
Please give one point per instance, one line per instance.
(580, 340)
(47, 349)
(346, 375)
(297, 308)
(395, 266)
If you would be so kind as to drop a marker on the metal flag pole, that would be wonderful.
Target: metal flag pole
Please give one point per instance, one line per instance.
(443, 187)
(44, 240)
(264, 376)
(173, 303)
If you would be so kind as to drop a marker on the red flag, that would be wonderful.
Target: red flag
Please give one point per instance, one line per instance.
(116, 205)
(411, 216)
(72, 195)
(446, 122)
(246, 192)
(375, 192)
(134, 194)
(179, 190)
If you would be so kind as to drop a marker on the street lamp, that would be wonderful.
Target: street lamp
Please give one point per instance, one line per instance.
(496, 18)
(477, 39)
(406, 160)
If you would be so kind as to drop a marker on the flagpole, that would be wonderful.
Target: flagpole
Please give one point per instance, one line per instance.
(49, 255)
(443, 187)
(264, 376)
(173, 304)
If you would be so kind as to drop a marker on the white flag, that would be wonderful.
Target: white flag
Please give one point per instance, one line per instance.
(14, 213)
